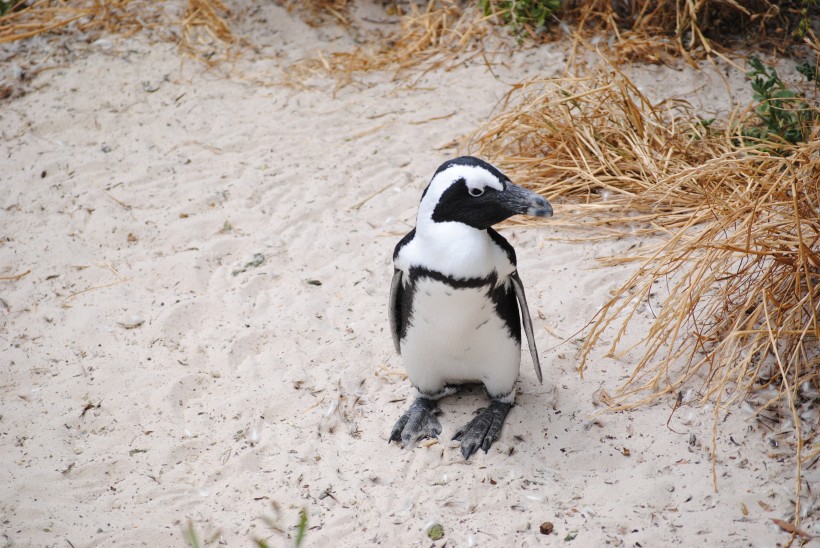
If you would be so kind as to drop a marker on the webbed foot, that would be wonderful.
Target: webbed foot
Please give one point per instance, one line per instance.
(483, 430)
(416, 423)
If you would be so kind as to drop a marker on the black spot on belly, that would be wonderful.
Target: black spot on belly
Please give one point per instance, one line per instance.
(482, 324)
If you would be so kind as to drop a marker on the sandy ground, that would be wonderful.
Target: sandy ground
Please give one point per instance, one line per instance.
(202, 334)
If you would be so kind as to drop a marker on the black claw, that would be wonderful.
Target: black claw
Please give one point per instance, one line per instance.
(395, 434)
(483, 430)
(467, 449)
(418, 422)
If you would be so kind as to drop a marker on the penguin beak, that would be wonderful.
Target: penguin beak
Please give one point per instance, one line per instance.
(520, 201)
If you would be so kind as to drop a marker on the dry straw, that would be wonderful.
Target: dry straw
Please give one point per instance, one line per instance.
(203, 28)
(314, 12)
(446, 32)
(428, 38)
(660, 31)
(206, 31)
(49, 16)
(733, 287)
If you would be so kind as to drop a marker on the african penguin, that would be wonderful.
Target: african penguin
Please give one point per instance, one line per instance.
(455, 300)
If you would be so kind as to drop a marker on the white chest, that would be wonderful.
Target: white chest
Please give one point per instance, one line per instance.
(455, 336)
(456, 250)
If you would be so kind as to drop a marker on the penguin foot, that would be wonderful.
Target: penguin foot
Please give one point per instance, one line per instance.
(416, 423)
(483, 430)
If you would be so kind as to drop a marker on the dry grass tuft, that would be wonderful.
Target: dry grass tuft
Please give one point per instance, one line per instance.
(203, 29)
(651, 31)
(445, 32)
(428, 39)
(49, 16)
(316, 12)
(599, 142)
(733, 287)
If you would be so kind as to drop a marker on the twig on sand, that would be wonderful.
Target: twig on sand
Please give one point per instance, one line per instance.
(15, 277)
(357, 206)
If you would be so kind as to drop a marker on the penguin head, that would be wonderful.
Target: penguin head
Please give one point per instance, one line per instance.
(473, 192)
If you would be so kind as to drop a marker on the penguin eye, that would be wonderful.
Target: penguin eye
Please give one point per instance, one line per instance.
(476, 192)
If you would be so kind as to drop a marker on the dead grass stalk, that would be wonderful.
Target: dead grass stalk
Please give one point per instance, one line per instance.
(429, 38)
(655, 31)
(203, 30)
(732, 289)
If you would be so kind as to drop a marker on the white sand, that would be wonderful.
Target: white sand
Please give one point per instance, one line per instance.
(220, 388)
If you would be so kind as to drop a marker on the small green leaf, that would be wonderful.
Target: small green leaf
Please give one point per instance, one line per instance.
(301, 528)
(189, 534)
(784, 94)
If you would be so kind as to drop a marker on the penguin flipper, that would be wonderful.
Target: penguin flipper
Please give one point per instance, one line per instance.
(527, 321)
(393, 311)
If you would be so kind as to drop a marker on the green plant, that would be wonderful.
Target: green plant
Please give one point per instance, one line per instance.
(521, 14)
(191, 538)
(7, 5)
(301, 528)
(803, 29)
(784, 113)
(810, 72)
